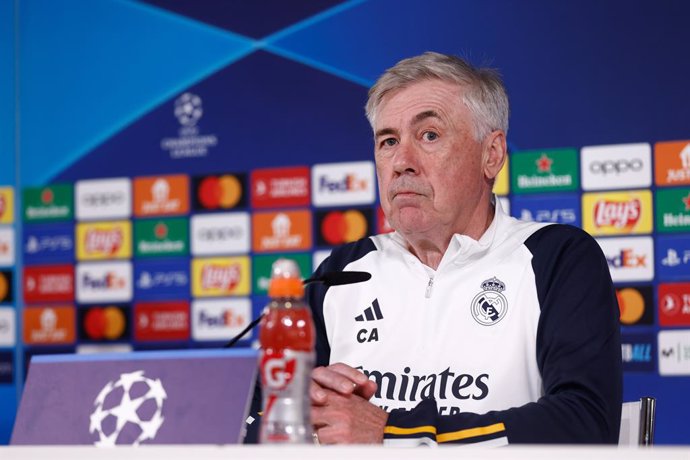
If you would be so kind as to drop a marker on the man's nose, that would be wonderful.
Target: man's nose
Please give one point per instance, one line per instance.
(406, 159)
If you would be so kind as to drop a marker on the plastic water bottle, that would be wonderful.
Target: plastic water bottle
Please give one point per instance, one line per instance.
(287, 358)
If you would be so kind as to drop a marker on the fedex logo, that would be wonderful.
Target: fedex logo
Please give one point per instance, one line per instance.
(627, 258)
(348, 183)
(343, 183)
(104, 282)
(630, 258)
(220, 319)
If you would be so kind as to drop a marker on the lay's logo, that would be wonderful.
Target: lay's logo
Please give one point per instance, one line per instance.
(220, 276)
(617, 213)
(104, 240)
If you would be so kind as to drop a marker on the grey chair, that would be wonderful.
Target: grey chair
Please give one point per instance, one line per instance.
(637, 422)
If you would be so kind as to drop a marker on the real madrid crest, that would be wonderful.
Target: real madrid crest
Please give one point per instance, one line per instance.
(490, 306)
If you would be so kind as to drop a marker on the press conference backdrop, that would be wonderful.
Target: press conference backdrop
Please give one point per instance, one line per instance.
(157, 156)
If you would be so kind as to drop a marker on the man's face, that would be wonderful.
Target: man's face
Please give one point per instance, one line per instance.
(428, 163)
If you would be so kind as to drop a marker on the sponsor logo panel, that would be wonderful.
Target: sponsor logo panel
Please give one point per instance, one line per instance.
(103, 199)
(6, 205)
(262, 269)
(629, 259)
(6, 246)
(343, 226)
(636, 305)
(674, 352)
(672, 161)
(161, 279)
(161, 237)
(6, 286)
(319, 256)
(106, 323)
(624, 166)
(673, 257)
(502, 182)
(52, 203)
(674, 304)
(280, 187)
(161, 196)
(383, 226)
(639, 352)
(538, 171)
(220, 276)
(343, 184)
(98, 282)
(8, 333)
(161, 321)
(49, 325)
(49, 283)
(563, 208)
(7, 367)
(281, 231)
(219, 192)
(48, 243)
(220, 319)
(673, 210)
(104, 240)
(617, 213)
(219, 234)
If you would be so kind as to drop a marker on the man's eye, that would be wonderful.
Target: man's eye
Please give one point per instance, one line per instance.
(389, 142)
(430, 136)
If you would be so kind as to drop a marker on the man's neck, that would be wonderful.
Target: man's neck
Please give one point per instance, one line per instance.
(430, 248)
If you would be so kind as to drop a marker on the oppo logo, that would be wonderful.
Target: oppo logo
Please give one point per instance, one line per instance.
(615, 166)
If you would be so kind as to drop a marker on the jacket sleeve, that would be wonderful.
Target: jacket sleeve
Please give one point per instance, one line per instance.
(578, 355)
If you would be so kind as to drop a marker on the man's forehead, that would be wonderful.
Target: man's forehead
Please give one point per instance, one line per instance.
(418, 102)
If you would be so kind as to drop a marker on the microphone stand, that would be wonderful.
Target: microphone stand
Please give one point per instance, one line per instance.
(329, 279)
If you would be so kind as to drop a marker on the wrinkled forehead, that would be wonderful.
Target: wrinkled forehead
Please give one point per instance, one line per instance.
(419, 100)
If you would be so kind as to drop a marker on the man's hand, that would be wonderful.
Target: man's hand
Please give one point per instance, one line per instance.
(341, 411)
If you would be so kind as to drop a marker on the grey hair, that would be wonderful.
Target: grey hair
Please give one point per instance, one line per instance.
(484, 95)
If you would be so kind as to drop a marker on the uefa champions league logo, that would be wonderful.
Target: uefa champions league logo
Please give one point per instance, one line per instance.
(188, 109)
(128, 410)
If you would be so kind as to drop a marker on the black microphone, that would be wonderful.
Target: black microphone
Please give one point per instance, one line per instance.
(340, 278)
(327, 278)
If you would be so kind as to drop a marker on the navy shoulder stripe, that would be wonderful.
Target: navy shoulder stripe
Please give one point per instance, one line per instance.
(340, 257)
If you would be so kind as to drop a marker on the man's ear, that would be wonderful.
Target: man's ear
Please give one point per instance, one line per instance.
(495, 153)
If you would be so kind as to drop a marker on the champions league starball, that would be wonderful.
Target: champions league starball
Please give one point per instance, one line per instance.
(128, 410)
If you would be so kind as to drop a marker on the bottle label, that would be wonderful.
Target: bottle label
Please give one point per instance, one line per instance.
(286, 376)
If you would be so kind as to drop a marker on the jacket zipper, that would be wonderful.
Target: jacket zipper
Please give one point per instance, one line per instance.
(429, 285)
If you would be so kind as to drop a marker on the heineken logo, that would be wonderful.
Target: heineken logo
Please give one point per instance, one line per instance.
(544, 163)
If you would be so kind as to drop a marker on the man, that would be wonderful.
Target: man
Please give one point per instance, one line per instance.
(475, 327)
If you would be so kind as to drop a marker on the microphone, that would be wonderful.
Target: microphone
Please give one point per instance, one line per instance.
(340, 278)
(327, 278)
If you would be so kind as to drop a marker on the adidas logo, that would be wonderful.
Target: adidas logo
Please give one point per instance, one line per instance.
(372, 313)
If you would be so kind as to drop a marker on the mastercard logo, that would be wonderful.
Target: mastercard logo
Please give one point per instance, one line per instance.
(5, 287)
(219, 192)
(338, 227)
(108, 323)
(632, 303)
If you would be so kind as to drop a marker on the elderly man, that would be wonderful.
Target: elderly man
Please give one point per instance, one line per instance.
(475, 327)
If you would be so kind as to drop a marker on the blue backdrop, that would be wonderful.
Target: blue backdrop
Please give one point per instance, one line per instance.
(284, 83)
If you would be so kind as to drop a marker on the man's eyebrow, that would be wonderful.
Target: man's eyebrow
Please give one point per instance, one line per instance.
(424, 115)
(385, 132)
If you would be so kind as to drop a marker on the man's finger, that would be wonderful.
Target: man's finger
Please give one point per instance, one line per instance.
(332, 380)
(317, 393)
